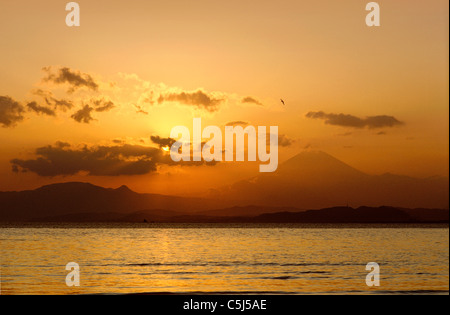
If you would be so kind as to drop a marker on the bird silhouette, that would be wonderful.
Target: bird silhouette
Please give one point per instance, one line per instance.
(282, 101)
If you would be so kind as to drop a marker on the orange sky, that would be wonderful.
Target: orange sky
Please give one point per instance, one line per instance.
(319, 56)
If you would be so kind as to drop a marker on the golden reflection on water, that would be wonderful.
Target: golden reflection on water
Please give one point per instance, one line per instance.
(266, 259)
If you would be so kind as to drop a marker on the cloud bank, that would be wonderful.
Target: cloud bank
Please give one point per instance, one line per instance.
(63, 159)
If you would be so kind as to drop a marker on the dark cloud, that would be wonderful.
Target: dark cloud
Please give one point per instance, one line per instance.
(61, 104)
(10, 112)
(84, 115)
(198, 99)
(237, 123)
(125, 159)
(344, 120)
(163, 142)
(74, 78)
(50, 99)
(284, 141)
(102, 105)
(251, 100)
(382, 121)
(33, 106)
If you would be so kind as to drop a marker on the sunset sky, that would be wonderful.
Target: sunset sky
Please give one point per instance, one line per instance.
(375, 98)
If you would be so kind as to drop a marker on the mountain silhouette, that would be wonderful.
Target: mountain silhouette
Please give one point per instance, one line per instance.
(75, 198)
(83, 202)
(315, 180)
(310, 180)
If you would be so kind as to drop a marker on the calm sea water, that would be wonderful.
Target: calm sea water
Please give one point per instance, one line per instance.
(278, 259)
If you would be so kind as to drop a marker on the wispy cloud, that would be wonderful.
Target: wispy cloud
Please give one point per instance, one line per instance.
(199, 99)
(97, 96)
(74, 78)
(140, 110)
(41, 109)
(237, 123)
(50, 100)
(102, 105)
(251, 100)
(344, 120)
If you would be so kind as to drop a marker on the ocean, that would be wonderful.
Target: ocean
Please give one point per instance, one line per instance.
(224, 258)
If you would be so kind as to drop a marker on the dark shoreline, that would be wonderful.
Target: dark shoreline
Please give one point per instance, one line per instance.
(165, 225)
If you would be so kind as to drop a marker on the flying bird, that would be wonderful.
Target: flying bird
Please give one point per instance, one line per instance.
(282, 101)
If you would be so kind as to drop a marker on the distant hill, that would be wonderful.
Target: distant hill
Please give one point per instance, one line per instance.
(74, 198)
(245, 211)
(314, 180)
(363, 215)
(360, 215)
